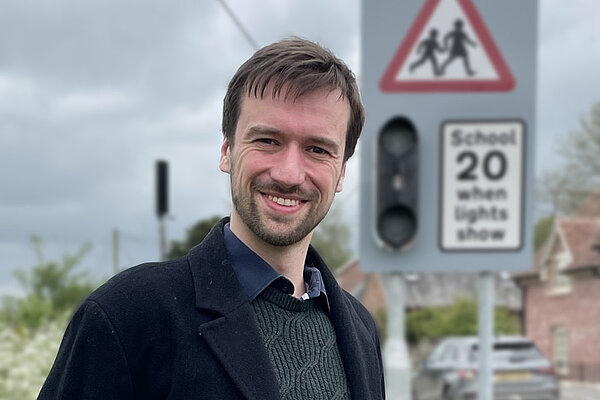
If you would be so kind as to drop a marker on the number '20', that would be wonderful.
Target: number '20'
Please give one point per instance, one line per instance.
(493, 174)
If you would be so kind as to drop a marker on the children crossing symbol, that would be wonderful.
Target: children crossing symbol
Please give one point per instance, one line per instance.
(447, 49)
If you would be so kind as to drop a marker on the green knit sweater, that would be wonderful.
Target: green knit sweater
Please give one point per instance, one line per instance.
(302, 345)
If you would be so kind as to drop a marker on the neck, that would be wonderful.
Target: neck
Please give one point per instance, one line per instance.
(287, 260)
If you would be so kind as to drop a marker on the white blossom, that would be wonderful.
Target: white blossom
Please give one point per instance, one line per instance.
(26, 357)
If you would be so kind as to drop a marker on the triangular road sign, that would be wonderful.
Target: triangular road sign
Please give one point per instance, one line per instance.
(447, 49)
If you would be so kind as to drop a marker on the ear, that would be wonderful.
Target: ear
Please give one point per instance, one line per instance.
(340, 183)
(225, 162)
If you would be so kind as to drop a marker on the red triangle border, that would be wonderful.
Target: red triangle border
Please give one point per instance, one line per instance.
(506, 81)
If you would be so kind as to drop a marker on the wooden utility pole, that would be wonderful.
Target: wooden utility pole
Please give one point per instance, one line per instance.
(162, 204)
(115, 237)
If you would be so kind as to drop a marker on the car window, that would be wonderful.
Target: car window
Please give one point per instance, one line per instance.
(445, 354)
(510, 352)
(450, 353)
(437, 353)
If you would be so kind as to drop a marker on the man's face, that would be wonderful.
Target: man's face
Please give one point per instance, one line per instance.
(286, 163)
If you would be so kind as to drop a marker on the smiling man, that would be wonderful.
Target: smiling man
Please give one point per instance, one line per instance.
(252, 312)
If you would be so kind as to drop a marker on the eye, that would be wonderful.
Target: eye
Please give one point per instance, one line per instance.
(318, 150)
(265, 141)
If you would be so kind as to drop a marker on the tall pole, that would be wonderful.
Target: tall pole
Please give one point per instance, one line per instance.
(486, 335)
(162, 233)
(115, 238)
(162, 204)
(395, 353)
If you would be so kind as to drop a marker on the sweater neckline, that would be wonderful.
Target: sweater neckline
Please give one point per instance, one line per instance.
(287, 301)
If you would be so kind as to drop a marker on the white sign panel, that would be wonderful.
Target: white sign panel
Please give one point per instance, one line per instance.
(482, 185)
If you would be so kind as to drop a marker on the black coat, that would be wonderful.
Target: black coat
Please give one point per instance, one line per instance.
(184, 329)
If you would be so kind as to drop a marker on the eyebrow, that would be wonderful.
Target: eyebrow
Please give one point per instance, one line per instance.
(259, 129)
(327, 143)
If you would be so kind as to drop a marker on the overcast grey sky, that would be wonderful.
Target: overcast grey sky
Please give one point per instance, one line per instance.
(93, 92)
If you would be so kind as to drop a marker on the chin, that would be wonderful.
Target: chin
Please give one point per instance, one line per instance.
(281, 236)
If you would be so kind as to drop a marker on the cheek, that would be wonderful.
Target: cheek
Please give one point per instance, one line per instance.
(326, 179)
(246, 166)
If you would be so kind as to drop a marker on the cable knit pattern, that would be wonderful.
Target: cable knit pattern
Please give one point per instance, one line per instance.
(302, 345)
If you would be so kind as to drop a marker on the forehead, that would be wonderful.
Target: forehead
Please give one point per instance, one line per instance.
(320, 111)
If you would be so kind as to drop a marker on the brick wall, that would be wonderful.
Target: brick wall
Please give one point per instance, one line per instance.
(579, 310)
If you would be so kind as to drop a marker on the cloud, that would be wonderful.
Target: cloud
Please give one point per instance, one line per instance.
(92, 93)
(91, 103)
(567, 61)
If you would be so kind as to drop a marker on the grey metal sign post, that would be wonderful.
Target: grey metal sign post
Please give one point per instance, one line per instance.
(447, 151)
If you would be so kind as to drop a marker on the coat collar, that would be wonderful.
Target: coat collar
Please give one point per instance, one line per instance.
(217, 288)
(359, 346)
(234, 336)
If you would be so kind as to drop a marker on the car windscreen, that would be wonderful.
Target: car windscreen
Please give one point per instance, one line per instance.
(510, 353)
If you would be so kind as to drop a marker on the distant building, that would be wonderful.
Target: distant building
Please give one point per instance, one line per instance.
(426, 289)
(366, 287)
(430, 289)
(562, 294)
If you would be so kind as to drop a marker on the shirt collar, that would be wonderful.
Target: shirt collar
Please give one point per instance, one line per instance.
(255, 274)
(314, 282)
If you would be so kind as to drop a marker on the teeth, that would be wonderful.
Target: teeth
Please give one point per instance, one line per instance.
(284, 202)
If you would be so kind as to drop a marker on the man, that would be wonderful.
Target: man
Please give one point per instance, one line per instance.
(252, 312)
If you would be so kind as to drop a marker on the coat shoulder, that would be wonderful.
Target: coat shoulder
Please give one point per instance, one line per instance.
(146, 288)
(363, 314)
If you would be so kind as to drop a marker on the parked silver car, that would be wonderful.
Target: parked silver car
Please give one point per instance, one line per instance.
(521, 372)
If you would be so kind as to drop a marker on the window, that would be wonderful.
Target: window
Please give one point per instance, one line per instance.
(561, 282)
(436, 355)
(544, 271)
(560, 349)
(450, 353)
(443, 355)
(509, 353)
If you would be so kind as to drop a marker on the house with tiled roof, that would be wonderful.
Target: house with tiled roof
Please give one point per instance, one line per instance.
(364, 286)
(426, 289)
(561, 294)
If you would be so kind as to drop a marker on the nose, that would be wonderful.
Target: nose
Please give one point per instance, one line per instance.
(289, 169)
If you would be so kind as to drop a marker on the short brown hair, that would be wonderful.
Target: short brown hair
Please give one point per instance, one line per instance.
(302, 66)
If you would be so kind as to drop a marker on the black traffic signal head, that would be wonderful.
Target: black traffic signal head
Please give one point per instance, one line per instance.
(162, 188)
(397, 183)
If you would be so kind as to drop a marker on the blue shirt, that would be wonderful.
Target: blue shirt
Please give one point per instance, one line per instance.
(255, 274)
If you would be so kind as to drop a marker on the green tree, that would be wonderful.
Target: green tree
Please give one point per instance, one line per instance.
(194, 235)
(459, 319)
(542, 231)
(565, 188)
(51, 288)
(331, 239)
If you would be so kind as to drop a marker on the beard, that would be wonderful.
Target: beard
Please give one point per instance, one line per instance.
(297, 227)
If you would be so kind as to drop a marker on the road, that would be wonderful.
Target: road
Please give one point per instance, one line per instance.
(580, 392)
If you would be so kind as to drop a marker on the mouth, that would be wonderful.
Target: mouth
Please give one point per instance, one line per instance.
(283, 201)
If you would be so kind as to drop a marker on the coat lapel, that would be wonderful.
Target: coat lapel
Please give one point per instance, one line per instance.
(238, 346)
(358, 346)
(233, 335)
